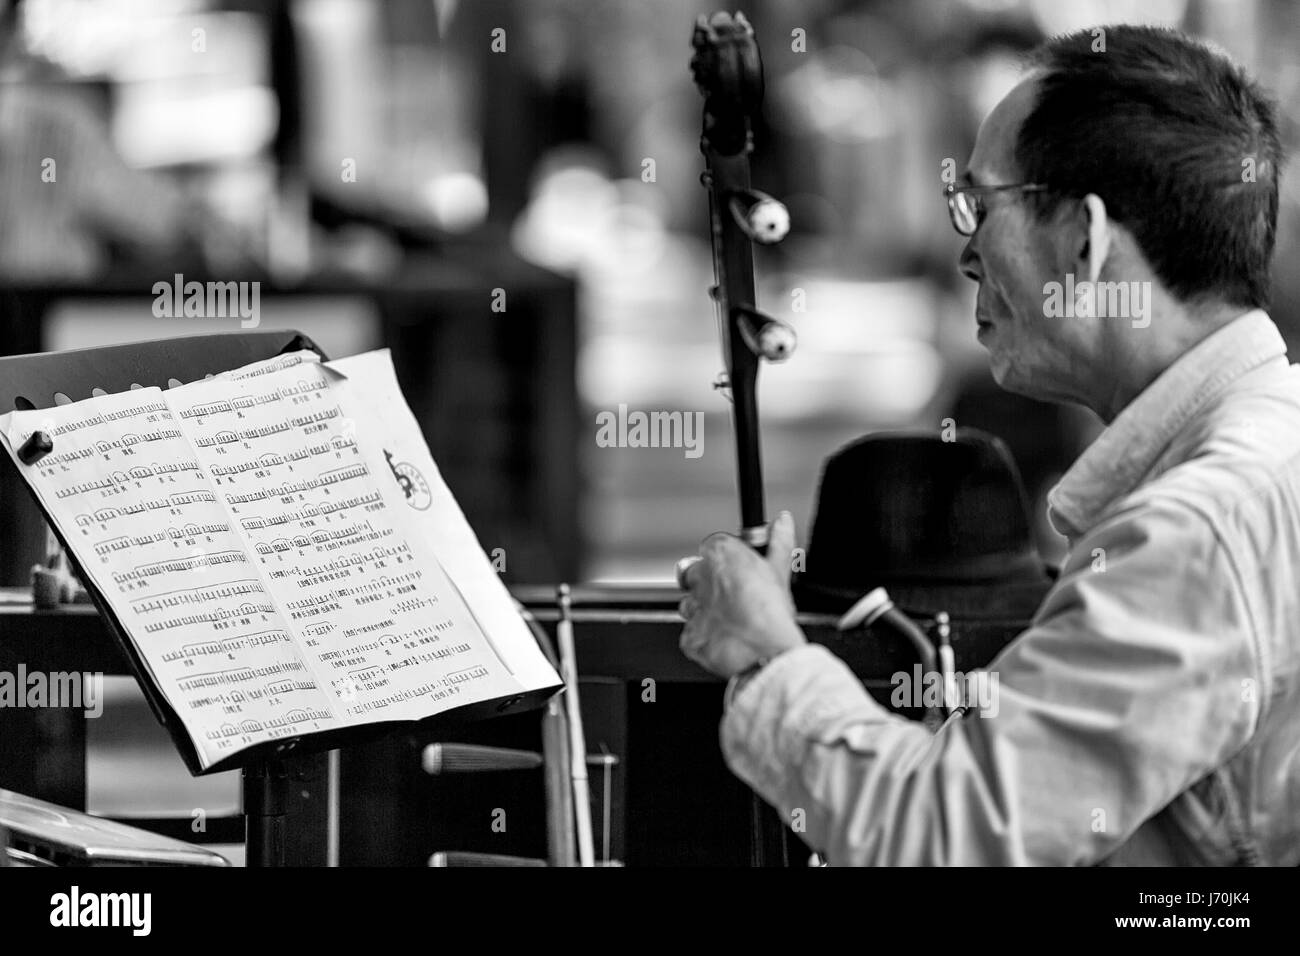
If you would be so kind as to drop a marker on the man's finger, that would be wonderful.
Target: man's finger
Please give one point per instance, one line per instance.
(781, 544)
(719, 542)
(684, 569)
(689, 643)
(695, 649)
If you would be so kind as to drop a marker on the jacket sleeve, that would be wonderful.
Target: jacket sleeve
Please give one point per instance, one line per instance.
(1137, 678)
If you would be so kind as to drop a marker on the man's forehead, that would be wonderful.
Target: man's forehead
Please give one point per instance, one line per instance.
(993, 158)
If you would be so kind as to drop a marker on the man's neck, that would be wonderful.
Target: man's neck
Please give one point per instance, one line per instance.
(1138, 356)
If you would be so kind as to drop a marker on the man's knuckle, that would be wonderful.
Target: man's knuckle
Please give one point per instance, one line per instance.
(716, 543)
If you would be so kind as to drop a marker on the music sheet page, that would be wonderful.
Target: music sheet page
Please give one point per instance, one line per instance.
(417, 491)
(126, 490)
(297, 462)
(282, 550)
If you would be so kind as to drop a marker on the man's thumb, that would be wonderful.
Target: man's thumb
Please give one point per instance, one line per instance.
(781, 544)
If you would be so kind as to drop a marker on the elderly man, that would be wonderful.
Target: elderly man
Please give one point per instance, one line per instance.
(1151, 713)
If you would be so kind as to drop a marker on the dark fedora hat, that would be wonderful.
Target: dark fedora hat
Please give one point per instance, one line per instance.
(943, 525)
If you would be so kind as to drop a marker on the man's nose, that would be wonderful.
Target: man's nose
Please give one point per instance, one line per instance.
(969, 262)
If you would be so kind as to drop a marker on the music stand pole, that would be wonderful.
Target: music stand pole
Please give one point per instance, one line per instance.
(265, 783)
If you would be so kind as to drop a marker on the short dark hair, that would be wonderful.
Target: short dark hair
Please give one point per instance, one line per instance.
(1164, 130)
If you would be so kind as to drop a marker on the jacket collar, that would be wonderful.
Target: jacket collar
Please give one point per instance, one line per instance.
(1115, 464)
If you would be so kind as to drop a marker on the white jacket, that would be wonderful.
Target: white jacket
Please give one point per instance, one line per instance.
(1150, 714)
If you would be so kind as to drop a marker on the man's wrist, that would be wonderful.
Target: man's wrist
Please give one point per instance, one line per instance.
(738, 681)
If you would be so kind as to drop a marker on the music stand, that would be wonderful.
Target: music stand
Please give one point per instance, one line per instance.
(34, 379)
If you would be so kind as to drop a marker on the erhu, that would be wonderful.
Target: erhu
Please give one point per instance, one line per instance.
(729, 72)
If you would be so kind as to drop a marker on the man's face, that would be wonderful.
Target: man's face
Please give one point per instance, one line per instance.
(1011, 256)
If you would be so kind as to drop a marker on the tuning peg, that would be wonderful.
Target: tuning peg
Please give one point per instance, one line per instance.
(763, 219)
(766, 337)
(776, 341)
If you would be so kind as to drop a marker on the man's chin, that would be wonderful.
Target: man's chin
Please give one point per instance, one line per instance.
(1004, 373)
(1013, 380)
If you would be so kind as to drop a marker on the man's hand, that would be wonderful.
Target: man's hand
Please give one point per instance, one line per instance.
(739, 611)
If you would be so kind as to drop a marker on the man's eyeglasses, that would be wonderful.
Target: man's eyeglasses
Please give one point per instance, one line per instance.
(966, 203)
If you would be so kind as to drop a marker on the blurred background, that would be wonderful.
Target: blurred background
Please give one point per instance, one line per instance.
(506, 193)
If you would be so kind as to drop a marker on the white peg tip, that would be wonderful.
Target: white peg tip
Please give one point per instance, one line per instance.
(769, 220)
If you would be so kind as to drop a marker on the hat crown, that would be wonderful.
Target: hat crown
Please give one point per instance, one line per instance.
(913, 507)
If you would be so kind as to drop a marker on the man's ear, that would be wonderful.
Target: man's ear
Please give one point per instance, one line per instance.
(1092, 257)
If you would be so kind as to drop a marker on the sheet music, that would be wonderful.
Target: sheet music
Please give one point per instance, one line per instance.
(383, 628)
(125, 488)
(273, 364)
(257, 537)
(417, 491)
